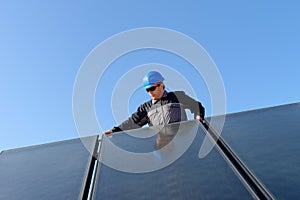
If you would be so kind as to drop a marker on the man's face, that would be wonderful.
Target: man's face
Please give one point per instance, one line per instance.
(156, 91)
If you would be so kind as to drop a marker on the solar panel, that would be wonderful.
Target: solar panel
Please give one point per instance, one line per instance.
(163, 162)
(181, 175)
(267, 140)
(50, 171)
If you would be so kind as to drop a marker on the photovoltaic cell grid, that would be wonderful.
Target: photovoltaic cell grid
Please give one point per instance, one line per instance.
(50, 171)
(267, 140)
(189, 177)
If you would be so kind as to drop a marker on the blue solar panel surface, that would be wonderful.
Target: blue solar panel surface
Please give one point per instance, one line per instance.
(267, 140)
(189, 177)
(49, 171)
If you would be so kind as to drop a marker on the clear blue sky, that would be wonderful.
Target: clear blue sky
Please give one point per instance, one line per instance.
(255, 45)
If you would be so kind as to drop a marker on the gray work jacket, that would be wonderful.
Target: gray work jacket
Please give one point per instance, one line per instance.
(169, 109)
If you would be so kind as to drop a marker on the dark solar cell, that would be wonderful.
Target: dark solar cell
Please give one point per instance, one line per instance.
(50, 171)
(267, 140)
(189, 177)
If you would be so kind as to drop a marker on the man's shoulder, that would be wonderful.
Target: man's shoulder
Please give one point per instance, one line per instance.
(176, 93)
(146, 104)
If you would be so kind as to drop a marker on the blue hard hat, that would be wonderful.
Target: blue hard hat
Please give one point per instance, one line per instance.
(152, 78)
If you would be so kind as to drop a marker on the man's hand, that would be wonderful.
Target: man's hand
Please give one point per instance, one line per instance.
(202, 122)
(199, 118)
(108, 132)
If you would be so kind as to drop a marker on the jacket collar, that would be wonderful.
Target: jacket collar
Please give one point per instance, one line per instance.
(164, 95)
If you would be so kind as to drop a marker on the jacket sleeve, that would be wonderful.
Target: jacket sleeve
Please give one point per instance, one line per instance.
(190, 103)
(136, 120)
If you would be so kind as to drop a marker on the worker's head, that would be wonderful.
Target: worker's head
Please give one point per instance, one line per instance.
(153, 83)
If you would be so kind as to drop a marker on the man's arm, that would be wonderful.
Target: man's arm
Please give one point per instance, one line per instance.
(136, 120)
(195, 106)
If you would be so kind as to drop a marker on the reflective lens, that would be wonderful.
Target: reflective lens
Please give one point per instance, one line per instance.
(152, 88)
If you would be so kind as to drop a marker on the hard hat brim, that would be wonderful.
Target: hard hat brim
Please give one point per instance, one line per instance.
(149, 85)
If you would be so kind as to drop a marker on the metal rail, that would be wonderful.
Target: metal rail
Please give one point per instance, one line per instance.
(259, 190)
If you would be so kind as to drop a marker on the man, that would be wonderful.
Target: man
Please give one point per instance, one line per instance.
(163, 108)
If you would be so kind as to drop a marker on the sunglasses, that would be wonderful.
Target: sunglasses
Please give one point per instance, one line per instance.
(152, 88)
